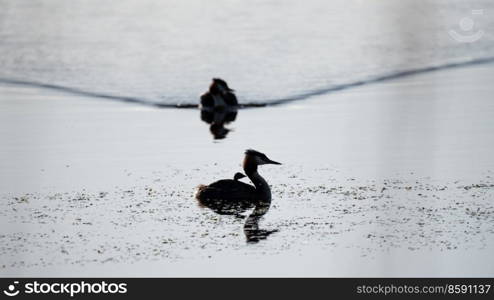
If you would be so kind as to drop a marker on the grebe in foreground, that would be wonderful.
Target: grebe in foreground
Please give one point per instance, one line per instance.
(219, 96)
(231, 197)
(236, 191)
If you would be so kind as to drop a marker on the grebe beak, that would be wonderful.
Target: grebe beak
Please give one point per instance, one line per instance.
(273, 162)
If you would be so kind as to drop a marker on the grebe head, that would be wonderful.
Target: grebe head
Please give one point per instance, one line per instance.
(256, 158)
(220, 85)
(238, 176)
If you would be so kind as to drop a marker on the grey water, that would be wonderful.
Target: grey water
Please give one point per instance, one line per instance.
(166, 52)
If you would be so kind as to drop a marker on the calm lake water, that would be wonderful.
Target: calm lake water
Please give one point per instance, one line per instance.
(167, 51)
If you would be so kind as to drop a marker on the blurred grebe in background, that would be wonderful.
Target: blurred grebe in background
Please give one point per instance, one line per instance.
(219, 96)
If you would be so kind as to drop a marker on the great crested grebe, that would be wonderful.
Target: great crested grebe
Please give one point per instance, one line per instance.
(219, 96)
(229, 196)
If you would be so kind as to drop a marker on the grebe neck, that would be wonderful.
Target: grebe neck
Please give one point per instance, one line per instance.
(259, 182)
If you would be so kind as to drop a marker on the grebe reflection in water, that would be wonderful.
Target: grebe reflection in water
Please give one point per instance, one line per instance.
(251, 226)
(217, 119)
(233, 197)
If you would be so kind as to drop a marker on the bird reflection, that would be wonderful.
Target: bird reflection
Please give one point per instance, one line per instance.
(218, 118)
(251, 226)
(253, 233)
